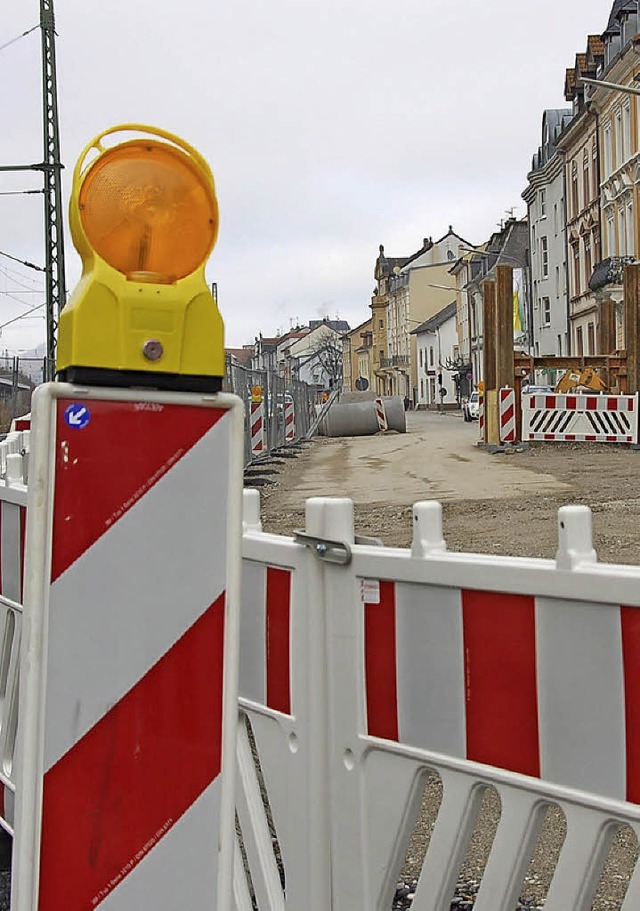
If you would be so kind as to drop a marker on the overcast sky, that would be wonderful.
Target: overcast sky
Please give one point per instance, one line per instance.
(331, 126)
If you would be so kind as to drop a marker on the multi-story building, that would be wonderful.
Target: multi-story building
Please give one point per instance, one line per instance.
(437, 352)
(385, 268)
(545, 198)
(469, 318)
(579, 145)
(417, 291)
(507, 247)
(357, 347)
(618, 116)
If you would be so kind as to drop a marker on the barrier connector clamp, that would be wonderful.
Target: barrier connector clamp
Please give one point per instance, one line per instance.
(329, 551)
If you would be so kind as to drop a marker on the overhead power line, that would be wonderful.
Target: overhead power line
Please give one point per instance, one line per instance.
(22, 315)
(23, 262)
(20, 192)
(18, 37)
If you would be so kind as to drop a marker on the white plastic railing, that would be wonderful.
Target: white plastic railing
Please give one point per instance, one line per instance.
(521, 674)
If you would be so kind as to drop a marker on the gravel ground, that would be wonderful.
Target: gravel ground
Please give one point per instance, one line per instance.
(606, 478)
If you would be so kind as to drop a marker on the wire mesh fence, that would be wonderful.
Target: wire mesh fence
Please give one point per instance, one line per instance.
(274, 399)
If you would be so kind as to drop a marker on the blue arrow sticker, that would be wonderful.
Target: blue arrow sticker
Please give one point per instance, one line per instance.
(77, 416)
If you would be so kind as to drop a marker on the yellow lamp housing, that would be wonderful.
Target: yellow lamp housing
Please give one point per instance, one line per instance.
(144, 219)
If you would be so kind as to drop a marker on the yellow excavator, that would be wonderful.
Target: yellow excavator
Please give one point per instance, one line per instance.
(573, 379)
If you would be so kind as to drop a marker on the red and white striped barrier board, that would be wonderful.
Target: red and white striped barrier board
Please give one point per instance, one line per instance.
(289, 422)
(481, 415)
(258, 434)
(507, 415)
(132, 578)
(381, 416)
(580, 418)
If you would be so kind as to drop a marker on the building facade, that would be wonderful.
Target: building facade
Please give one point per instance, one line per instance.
(545, 198)
(437, 353)
(618, 115)
(417, 291)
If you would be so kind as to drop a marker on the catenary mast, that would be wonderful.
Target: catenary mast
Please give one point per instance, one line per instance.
(52, 168)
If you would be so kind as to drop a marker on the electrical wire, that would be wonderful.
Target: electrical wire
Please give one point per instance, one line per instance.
(23, 262)
(22, 316)
(18, 37)
(19, 277)
(20, 192)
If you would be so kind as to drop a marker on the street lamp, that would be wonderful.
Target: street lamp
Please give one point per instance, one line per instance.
(628, 89)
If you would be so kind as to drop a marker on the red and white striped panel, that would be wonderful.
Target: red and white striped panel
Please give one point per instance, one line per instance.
(580, 418)
(481, 415)
(265, 636)
(258, 443)
(132, 739)
(544, 687)
(508, 415)
(289, 422)
(381, 415)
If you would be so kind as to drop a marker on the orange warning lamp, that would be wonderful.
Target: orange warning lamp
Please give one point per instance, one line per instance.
(144, 218)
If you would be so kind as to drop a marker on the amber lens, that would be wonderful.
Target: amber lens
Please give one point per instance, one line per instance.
(147, 211)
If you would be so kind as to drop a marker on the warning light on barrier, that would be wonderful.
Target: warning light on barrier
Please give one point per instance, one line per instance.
(256, 395)
(144, 218)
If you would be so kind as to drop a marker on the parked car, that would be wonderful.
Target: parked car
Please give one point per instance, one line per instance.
(537, 390)
(471, 408)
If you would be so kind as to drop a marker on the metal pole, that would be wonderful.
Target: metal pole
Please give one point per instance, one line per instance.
(54, 233)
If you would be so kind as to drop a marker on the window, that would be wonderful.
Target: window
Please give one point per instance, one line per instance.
(586, 183)
(543, 203)
(557, 281)
(380, 324)
(421, 357)
(422, 389)
(591, 339)
(608, 151)
(546, 311)
(626, 132)
(575, 198)
(622, 231)
(630, 238)
(431, 357)
(555, 219)
(618, 156)
(559, 346)
(579, 343)
(544, 254)
(576, 270)
(611, 234)
(587, 257)
(594, 169)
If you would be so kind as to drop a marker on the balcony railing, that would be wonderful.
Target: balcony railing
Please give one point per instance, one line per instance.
(397, 360)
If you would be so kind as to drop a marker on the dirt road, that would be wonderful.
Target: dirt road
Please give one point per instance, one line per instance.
(493, 503)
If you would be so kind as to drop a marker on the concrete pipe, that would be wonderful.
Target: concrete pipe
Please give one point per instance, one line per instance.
(359, 418)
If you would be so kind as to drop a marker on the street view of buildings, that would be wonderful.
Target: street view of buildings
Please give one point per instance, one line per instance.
(421, 334)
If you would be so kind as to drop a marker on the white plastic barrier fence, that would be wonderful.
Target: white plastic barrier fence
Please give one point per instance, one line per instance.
(580, 418)
(516, 673)
(13, 513)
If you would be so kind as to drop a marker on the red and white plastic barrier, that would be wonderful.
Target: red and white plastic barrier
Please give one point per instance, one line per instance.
(381, 416)
(507, 415)
(257, 425)
(127, 708)
(515, 673)
(580, 418)
(289, 422)
(481, 414)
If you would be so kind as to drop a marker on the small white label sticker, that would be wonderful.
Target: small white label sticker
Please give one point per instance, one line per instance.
(370, 591)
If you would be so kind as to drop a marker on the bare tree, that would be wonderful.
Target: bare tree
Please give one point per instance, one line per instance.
(327, 350)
